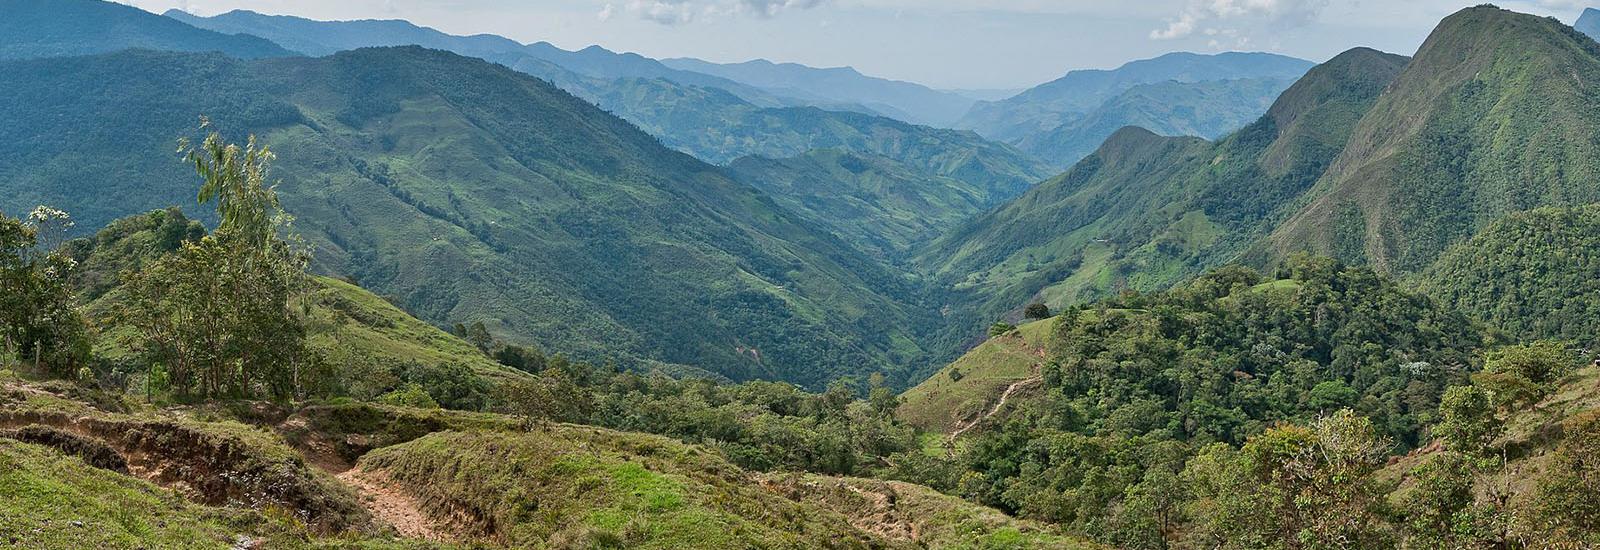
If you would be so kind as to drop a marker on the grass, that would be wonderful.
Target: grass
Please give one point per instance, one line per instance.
(939, 403)
(349, 321)
(49, 500)
(907, 513)
(222, 463)
(589, 487)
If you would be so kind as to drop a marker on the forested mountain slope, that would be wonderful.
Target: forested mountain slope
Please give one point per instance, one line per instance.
(875, 202)
(38, 28)
(1533, 274)
(1145, 211)
(469, 193)
(1496, 114)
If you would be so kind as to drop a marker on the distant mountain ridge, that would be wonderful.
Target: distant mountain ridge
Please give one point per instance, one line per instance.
(58, 27)
(1589, 23)
(1052, 104)
(319, 38)
(1208, 109)
(907, 101)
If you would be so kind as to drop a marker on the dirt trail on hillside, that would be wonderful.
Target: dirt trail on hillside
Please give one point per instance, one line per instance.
(997, 406)
(390, 506)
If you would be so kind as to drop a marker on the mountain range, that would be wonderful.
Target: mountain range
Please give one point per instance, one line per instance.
(1049, 105)
(1370, 158)
(1145, 210)
(59, 29)
(906, 101)
(713, 118)
(879, 215)
(1344, 305)
(469, 192)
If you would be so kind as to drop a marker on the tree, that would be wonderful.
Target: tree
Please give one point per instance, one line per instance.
(1523, 374)
(1438, 507)
(479, 336)
(525, 359)
(551, 397)
(1332, 395)
(214, 316)
(1467, 422)
(1036, 310)
(452, 385)
(50, 225)
(1316, 481)
(39, 319)
(1566, 499)
(410, 395)
(883, 399)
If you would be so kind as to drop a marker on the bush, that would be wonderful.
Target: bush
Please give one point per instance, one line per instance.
(1036, 311)
(1000, 327)
(410, 395)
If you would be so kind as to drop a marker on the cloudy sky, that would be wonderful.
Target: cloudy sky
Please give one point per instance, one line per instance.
(942, 43)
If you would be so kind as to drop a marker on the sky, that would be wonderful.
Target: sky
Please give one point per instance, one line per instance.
(948, 44)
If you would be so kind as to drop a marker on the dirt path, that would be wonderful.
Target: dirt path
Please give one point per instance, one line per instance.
(997, 406)
(390, 506)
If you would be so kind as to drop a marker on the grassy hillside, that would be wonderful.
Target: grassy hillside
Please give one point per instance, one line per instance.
(577, 486)
(965, 390)
(220, 478)
(78, 471)
(1531, 274)
(903, 512)
(33, 28)
(468, 192)
(49, 500)
(1210, 109)
(1496, 114)
(1146, 211)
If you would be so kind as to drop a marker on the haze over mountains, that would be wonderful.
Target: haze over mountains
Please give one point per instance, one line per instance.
(904, 100)
(62, 29)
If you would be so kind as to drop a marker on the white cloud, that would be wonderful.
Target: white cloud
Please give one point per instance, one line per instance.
(771, 8)
(1213, 17)
(665, 12)
(678, 12)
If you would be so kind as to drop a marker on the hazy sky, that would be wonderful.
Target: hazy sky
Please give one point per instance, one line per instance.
(942, 43)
